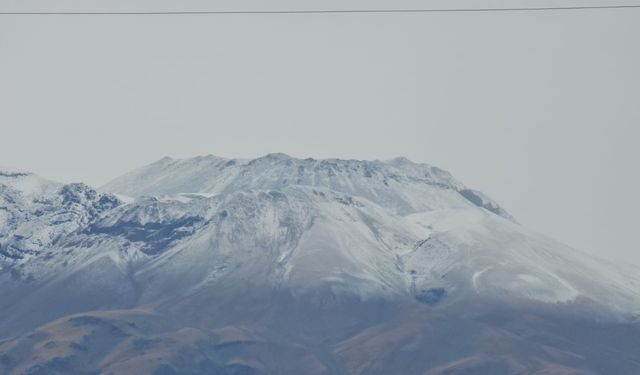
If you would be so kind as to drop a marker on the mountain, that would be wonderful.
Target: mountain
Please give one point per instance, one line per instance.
(280, 265)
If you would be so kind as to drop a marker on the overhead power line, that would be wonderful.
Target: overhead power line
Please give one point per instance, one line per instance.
(323, 11)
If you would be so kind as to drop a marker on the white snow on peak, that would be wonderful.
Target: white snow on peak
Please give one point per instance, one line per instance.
(369, 228)
(11, 170)
(27, 183)
(397, 184)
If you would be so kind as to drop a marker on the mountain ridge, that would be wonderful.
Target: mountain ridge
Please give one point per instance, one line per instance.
(213, 175)
(284, 265)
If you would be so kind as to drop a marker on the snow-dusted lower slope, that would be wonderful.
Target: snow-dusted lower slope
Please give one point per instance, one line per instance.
(325, 256)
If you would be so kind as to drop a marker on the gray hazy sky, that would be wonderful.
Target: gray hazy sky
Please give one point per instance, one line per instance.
(538, 110)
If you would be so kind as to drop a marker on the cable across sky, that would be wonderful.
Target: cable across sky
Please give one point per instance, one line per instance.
(319, 11)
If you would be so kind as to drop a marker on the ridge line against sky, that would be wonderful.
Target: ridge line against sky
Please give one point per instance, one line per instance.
(538, 112)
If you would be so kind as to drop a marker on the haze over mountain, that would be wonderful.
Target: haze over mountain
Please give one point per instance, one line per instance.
(288, 266)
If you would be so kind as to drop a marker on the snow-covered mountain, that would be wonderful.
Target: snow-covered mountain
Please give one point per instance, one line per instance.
(285, 265)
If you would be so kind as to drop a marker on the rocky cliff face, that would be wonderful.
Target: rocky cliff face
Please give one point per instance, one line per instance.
(35, 213)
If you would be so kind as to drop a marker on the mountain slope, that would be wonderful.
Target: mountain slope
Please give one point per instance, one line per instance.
(281, 265)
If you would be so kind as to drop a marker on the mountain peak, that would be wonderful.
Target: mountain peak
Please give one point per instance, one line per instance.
(401, 160)
(6, 171)
(277, 156)
(398, 184)
(27, 183)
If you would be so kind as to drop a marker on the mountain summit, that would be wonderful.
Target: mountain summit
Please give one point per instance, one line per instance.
(284, 265)
(398, 185)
